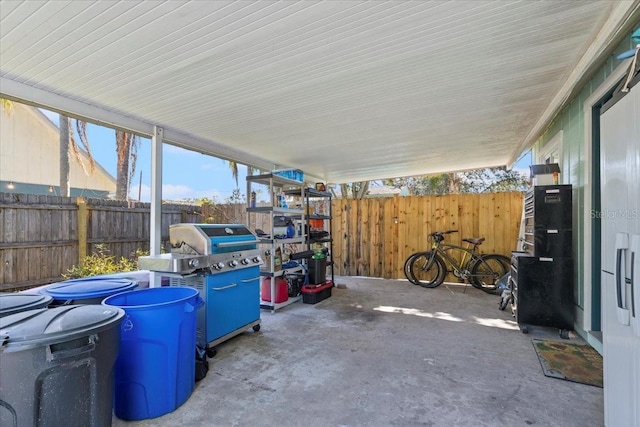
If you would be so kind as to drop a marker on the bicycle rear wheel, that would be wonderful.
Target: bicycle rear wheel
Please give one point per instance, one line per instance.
(488, 270)
(427, 270)
(407, 264)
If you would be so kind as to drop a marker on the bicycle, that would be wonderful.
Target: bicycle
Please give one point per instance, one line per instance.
(429, 269)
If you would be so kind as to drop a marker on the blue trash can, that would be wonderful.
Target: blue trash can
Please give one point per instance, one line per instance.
(88, 290)
(155, 370)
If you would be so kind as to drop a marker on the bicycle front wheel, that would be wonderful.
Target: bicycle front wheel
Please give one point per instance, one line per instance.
(427, 270)
(407, 264)
(488, 270)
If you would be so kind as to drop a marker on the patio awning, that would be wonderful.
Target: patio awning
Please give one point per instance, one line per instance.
(345, 90)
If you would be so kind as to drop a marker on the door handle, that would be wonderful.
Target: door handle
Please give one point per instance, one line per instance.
(635, 283)
(233, 285)
(250, 280)
(622, 244)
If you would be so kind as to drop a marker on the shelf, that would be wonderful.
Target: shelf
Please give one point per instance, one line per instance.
(316, 216)
(276, 306)
(276, 210)
(277, 180)
(280, 272)
(292, 241)
(323, 240)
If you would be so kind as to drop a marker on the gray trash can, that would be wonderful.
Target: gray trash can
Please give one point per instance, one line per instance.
(12, 303)
(57, 366)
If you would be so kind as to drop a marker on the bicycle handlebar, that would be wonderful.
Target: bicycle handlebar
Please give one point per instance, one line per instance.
(435, 233)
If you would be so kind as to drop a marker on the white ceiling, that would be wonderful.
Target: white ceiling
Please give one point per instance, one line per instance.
(345, 90)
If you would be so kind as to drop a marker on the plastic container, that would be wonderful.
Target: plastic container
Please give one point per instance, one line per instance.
(89, 290)
(12, 303)
(155, 371)
(282, 290)
(317, 270)
(314, 294)
(56, 366)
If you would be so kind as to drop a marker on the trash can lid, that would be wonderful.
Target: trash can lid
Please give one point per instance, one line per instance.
(88, 288)
(45, 326)
(12, 303)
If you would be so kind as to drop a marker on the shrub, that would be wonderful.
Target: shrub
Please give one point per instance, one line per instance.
(101, 262)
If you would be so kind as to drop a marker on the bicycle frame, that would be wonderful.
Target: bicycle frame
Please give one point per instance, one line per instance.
(463, 268)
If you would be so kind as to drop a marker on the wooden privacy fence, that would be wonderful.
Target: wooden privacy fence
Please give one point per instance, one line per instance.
(41, 237)
(374, 236)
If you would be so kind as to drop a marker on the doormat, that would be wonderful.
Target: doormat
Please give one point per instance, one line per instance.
(571, 362)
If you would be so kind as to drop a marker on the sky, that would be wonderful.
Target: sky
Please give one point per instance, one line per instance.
(185, 174)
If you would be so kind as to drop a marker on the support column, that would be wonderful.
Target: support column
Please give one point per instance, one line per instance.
(155, 232)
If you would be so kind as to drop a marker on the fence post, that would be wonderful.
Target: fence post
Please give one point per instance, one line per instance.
(82, 229)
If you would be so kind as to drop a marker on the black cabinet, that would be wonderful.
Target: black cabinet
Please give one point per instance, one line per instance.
(542, 290)
(548, 225)
(542, 275)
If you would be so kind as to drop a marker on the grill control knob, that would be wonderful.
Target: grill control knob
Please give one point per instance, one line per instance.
(245, 261)
(256, 259)
(219, 266)
(194, 263)
(233, 263)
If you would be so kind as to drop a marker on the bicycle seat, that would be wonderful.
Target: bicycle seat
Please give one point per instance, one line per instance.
(474, 241)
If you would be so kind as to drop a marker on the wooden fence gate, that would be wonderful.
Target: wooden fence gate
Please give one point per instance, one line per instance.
(374, 236)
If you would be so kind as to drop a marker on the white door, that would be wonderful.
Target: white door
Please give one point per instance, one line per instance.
(620, 166)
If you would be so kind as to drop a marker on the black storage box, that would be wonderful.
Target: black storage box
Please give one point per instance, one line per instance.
(317, 270)
(315, 294)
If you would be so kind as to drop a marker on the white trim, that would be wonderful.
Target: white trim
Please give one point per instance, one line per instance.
(155, 220)
(620, 12)
(596, 96)
(552, 146)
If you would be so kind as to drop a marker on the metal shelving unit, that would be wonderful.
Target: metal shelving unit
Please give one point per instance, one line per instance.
(311, 195)
(276, 185)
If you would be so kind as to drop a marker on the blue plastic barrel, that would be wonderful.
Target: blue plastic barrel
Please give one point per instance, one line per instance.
(88, 290)
(155, 370)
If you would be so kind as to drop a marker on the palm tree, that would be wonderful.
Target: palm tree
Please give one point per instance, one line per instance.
(127, 151)
(234, 170)
(7, 106)
(69, 146)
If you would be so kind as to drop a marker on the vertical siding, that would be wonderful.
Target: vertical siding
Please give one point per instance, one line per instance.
(571, 121)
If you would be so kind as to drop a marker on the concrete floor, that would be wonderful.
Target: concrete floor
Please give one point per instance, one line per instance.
(386, 353)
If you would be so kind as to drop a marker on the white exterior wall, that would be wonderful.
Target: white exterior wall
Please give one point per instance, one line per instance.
(30, 153)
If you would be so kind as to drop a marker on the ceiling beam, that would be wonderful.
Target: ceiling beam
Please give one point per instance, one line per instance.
(40, 98)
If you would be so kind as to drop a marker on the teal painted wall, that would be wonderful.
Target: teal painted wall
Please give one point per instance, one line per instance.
(571, 121)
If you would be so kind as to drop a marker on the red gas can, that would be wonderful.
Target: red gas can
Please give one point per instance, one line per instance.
(282, 292)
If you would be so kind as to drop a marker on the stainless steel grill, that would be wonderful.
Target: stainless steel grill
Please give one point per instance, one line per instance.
(223, 262)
